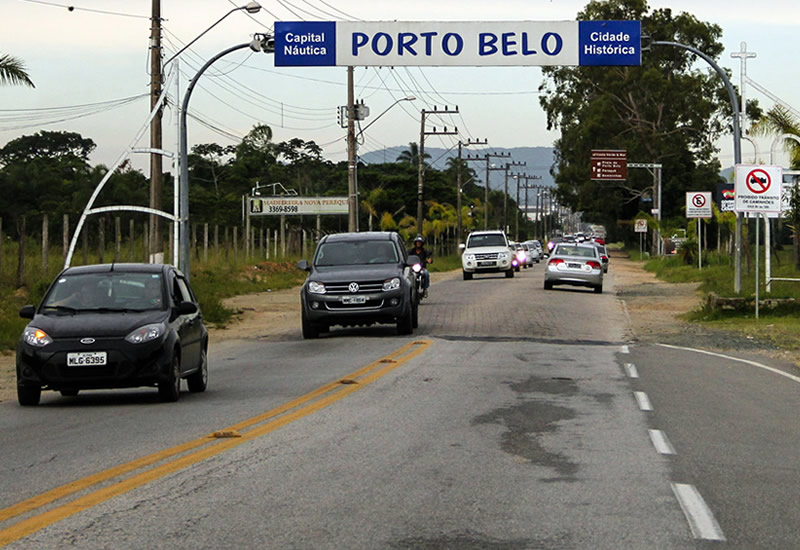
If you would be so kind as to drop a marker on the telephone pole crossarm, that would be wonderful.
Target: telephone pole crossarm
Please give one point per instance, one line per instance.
(421, 170)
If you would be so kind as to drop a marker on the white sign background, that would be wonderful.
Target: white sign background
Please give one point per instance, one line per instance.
(297, 206)
(641, 226)
(693, 199)
(748, 200)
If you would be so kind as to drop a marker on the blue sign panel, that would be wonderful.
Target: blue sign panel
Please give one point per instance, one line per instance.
(603, 43)
(305, 44)
(457, 43)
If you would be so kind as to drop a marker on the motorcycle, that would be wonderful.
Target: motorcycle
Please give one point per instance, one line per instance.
(417, 269)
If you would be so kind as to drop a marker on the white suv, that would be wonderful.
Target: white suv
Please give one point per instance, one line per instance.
(486, 252)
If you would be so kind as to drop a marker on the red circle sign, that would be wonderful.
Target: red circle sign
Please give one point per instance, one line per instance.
(758, 181)
(699, 201)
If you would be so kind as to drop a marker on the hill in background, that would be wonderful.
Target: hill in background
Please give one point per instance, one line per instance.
(538, 161)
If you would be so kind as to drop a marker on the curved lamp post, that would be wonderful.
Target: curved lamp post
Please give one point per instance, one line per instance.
(261, 42)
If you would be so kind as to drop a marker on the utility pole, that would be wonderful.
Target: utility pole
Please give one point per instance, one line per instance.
(526, 177)
(156, 169)
(352, 200)
(459, 229)
(486, 158)
(505, 196)
(421, 173)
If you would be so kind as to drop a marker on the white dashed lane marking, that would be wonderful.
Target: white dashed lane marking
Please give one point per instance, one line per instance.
(643, 401)
(661, 443)
(701, 520)
(630, 370)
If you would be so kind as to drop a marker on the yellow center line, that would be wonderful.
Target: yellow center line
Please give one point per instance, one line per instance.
(365, 375)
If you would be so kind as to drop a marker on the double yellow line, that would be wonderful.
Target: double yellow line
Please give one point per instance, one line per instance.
(191, 452)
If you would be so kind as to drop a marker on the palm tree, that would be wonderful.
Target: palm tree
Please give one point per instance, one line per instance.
(411, 155)
(12, 71)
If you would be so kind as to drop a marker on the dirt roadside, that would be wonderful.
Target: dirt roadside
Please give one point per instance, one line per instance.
(652, 307)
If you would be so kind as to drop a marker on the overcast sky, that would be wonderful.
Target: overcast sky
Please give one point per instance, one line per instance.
(98, 52)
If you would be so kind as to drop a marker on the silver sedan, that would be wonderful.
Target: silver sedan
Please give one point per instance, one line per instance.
(574, 264)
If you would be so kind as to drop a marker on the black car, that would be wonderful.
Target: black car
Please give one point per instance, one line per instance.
(113, 326)
(358, 279)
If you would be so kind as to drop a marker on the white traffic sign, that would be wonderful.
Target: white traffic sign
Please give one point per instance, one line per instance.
(640, 225)
(277, 206)
(758, 188)
(698, 204)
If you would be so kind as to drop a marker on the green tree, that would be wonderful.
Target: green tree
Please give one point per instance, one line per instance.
(411, 155)
(665, 111)
(12, 71)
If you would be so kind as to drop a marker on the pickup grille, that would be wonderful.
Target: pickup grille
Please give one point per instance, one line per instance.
(486, 256)
(365, 287)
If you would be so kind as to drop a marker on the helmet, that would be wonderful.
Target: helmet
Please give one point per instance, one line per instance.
(420, 239)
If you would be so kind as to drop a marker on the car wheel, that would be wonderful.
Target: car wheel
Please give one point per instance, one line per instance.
(467, 276)
(406, 323)
(548, 285)
(169, 390)
(598, 289)
(198, 382)
(510, 274)
(310, 331)
(69, 393)
(29, 396)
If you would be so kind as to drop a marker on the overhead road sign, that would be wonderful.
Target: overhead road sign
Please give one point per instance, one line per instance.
(609, 165)
(289, 206)
(758, 188)
(698, 204)
(457, 43)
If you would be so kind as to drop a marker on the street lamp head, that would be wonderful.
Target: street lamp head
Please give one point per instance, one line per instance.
(410, 98)
(253, 7)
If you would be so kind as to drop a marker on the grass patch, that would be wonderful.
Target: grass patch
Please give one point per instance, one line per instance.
(445, 263)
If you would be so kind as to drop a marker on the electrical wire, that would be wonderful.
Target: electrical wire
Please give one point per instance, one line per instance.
(71, 7)
(19, 119)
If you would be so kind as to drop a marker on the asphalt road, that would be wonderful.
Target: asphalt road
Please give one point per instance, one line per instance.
(513, 418)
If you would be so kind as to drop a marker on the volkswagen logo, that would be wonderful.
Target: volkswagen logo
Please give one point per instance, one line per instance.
(87, 341)
(353, 287)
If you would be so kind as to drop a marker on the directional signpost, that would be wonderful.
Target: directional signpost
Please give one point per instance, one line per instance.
(609, 165)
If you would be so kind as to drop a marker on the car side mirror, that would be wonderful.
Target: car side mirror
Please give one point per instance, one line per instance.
(303, 264)
(27, 312)
(187, 308)
(462, 246)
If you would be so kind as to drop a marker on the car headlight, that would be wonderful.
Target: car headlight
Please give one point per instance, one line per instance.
(147, 333)
(316, 288)
(502, 255)
(36, 337)
(470, 257)
(391, 284)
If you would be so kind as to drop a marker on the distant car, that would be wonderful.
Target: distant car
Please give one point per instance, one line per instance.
(359, 279)
(113, 326)
(574, 264)
(487, 251)
(535, 248)
(528, 255)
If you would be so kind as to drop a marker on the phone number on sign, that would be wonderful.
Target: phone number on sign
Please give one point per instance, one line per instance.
(280, 209)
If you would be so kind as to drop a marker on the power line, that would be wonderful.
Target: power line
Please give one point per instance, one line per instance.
(71, 7)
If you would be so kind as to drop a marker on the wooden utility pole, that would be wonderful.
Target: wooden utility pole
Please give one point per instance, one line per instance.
(459, 229)
(156, 169)
(485, 158)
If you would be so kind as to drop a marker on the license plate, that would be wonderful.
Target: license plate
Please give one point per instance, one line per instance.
(87, 359)
(485, 263)
(354, 300)
(574, 266)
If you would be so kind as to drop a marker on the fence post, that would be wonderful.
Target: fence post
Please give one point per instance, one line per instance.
(174, 255)
(85, 245)
(21, 253)
(261, 245)
(131, 231)
(227, 241)
(117, 239)
(235, 243)
(267, 244)
(45, 242)
(65, 238)
(102, 247)
(283, 236)
(205, 242)
(194, 242)
(146, 243)
(216, 241)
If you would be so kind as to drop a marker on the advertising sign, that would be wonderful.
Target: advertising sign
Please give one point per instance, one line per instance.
(698, 204)
(725, 197)
(640, 225)
(290, 206)
(758, 188)
(457, 43)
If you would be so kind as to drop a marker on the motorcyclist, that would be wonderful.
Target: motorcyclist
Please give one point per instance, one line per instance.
(425, 258)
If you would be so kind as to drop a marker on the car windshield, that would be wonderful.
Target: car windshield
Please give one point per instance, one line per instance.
(356, 253)
(113, 291)
(476, 241)
(575, 250)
